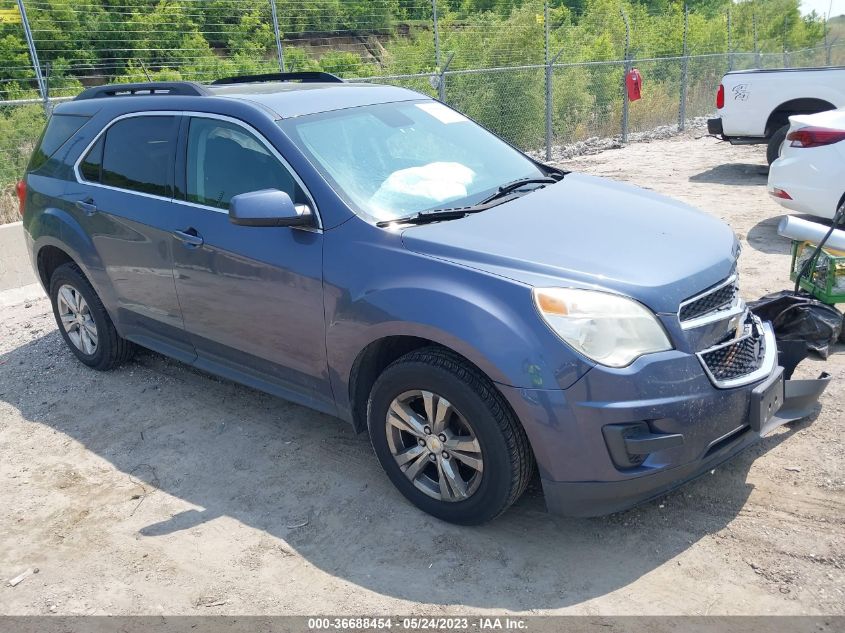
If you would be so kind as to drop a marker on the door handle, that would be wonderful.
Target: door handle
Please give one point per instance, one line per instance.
(87, 206)
(189, 237)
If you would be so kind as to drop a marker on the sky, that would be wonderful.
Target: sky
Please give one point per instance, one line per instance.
(822, 6)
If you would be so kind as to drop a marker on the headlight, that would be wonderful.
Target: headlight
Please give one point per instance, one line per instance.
(604, 327)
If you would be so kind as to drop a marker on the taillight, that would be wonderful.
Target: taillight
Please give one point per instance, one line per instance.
(815, 137)
(720, 97)
(20, 188)
(780, 193)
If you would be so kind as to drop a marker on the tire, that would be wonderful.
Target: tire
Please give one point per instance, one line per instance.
(474, 411)
(99, 347)
(773, 150)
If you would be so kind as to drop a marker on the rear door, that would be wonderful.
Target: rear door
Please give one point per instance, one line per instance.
(125, 206)
(252, 297)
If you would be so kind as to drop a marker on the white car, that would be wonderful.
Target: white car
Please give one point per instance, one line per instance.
(809, 176)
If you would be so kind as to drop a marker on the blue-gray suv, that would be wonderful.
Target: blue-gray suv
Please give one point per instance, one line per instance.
(373, 254)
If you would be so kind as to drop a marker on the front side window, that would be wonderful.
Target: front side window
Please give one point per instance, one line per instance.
(225, 160)
(134, 154)
(393, 159)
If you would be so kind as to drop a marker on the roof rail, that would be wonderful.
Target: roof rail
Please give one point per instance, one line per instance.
(306, 76)
(180, 88)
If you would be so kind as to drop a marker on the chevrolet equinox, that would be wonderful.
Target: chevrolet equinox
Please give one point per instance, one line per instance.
(371, 253)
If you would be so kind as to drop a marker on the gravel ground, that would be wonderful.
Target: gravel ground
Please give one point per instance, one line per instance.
(156, 489)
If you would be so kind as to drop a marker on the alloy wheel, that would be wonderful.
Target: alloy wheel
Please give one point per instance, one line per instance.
(434, 445)
(75, 316)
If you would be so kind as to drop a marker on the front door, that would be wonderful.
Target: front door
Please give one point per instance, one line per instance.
(251, 297)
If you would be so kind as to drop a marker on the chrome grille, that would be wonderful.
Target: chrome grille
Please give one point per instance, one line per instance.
(739, 360)
(715, 300)
(736, 359)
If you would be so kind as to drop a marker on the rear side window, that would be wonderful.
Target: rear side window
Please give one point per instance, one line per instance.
(59, 129)
(92, 164)
(136, 154)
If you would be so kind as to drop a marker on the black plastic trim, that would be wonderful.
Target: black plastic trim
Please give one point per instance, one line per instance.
(144, 89)
(308, 76)
(629, 443)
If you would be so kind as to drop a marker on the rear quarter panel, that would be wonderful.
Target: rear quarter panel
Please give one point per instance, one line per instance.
(51, 221)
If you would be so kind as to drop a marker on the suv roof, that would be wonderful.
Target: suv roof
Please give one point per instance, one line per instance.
(285, 94)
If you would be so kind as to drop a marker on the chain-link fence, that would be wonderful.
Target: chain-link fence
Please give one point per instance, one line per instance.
(539, 75)
(20, 126)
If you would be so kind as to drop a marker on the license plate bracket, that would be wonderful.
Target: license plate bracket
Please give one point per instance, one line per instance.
(766, 400)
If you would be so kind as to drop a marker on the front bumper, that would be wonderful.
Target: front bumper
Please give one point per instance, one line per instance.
(681, 426)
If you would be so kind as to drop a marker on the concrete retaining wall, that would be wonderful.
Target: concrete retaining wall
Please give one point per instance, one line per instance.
(15, 269)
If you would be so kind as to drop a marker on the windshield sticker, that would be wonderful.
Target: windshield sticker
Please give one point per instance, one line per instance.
(441, 112)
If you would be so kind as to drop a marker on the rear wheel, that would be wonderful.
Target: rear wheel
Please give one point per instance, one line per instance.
(447, 439)
(83, 321)
(775, 143)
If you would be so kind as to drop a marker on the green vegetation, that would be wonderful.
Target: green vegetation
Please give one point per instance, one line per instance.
(836, 29)
(89, 42)
(93, 41)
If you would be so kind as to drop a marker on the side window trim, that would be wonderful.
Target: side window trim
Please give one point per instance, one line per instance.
(180, 181)
(182, 155)
(102, 133)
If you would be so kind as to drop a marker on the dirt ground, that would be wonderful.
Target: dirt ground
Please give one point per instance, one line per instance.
(156, 489)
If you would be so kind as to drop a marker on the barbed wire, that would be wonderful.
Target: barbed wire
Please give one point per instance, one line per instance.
(493, 66)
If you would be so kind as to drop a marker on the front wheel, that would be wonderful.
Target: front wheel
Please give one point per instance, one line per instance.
(447, 439)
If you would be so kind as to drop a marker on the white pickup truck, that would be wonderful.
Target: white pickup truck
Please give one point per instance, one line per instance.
(754, 106)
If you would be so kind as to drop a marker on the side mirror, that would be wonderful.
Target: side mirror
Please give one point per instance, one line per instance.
(268, 207)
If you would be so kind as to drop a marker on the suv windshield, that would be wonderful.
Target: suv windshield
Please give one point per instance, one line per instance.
(394, 159)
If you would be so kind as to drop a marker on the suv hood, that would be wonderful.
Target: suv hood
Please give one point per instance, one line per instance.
(590, 232)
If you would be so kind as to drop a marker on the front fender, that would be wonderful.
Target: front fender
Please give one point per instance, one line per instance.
(375, 288)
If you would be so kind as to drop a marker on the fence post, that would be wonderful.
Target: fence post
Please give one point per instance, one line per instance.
(682, 109)
(441, 83)
(279, 50)
(550, 64)
(757, 59)
(627, 68)
(549, 95)
(33, 56)
(785, 52)
(547, 59)
(730, 41)
(828, 47)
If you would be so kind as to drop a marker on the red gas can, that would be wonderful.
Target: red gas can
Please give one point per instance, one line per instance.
(634, 84)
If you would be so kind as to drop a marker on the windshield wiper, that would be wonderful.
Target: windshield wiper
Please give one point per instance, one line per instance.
(436, 215)
(518, 184)
(424, 217)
